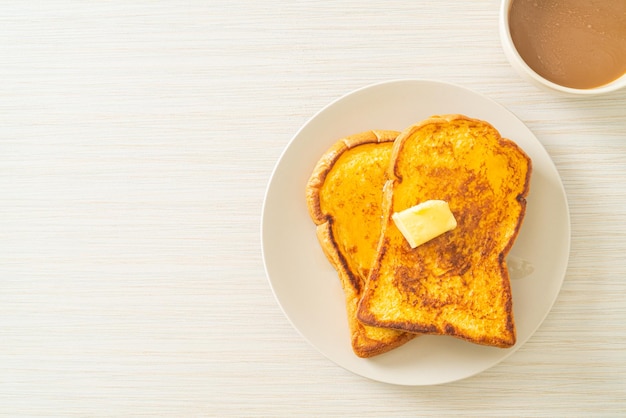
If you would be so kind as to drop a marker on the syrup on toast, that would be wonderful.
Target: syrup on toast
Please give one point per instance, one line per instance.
(458, 283)
(344, 195)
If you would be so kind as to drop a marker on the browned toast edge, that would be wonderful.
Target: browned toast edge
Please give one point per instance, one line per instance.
(362, 345)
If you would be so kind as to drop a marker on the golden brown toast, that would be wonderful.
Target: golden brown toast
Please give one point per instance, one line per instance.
(458, 283)
(344, 196)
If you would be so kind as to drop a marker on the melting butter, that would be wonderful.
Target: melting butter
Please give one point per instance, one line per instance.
(421, 223)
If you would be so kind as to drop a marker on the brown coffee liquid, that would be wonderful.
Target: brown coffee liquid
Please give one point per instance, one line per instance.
(574, 43)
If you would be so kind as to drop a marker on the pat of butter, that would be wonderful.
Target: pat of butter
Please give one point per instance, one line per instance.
(428, 220)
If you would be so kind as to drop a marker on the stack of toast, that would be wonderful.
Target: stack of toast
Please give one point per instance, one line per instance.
(456, 284)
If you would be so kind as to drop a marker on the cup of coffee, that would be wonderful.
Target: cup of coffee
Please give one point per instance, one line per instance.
(570, 46)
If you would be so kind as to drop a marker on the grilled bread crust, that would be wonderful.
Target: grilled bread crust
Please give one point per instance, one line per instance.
(458, 283)
(344, 196)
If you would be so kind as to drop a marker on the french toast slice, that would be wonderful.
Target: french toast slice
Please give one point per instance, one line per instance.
(344, 196)
(456, 284)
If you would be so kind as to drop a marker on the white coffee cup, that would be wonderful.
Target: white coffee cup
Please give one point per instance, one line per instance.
(528, 73)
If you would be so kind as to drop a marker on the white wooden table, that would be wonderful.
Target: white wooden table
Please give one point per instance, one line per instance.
(136, 143)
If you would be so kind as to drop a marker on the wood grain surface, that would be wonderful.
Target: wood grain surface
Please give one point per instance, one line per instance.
(136, 143)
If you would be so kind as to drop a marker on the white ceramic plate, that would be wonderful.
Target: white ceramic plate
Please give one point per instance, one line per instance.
(307, 287)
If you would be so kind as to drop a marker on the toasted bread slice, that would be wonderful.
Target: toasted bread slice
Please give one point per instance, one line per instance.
(456, 284)
(344, 196)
